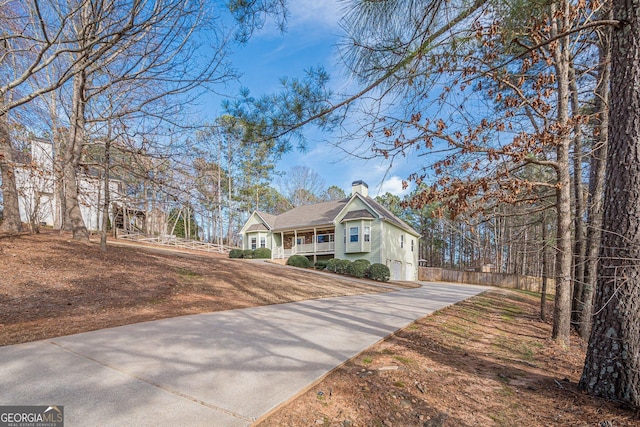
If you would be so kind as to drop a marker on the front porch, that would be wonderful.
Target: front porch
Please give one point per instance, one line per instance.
(304, 242)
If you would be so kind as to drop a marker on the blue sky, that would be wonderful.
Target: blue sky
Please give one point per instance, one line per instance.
(310, 40)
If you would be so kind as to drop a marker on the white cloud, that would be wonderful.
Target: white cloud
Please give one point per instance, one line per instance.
(325, 13)
(393, 185)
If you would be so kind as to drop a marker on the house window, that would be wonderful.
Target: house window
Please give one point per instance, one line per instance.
(253, 242)
(263, 242)
(401, 241)
(367, 234)
(325, 238)
(411, 245)
(300, 240)
(353, 234)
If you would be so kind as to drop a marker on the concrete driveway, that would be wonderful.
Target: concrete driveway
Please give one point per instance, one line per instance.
(217, 369)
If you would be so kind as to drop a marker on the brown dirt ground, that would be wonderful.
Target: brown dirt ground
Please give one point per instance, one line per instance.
(487, 361)
(51, 285)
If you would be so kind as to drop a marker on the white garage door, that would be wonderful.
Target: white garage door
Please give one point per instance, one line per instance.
(409, 272)
(396, 270)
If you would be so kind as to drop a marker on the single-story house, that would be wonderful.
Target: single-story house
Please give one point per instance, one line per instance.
(357, 227)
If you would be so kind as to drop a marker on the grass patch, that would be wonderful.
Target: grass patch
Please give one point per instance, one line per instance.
(185, 272)
(367, 360)
(403, 359)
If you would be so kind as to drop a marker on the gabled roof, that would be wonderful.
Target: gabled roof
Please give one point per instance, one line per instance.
(325, 213)
(390, 216)
(359, 214)
(309, 215)
(267, 218)
(258, 227)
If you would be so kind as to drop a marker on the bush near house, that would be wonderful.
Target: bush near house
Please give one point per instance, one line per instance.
(247, 254)
(358, 268)
(379, 272)
(342, 266)
(262, 253)
(298, 261)
(235, 253)
(321, 265)
(331, 265)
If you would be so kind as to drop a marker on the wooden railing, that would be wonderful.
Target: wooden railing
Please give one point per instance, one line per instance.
(172, 241)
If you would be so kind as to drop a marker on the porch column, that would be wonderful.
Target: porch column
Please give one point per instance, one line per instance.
(315, 245)
(282, 242)
(295, 242)
(273, 246)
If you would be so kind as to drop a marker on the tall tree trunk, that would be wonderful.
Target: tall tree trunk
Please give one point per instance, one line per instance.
(596, 183)
(562, 308)
(73, 151)
(58, 177)
(545, 270)
(612, 365)
(577, 304)
(107, 196)
(11, 222)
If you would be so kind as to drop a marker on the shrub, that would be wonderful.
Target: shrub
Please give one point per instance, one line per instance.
(235, 253)
(298, 261)
(366, 262)
(247, 254)
(342, 266)
(321, 265)
(358, 268)
(332, 264)
(379, 272)
(262, 253)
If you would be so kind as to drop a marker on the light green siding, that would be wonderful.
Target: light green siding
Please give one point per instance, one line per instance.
(247, 235)
(397, 253)
(360, 245)
(376, 241)
(355, 205)
(361, 249)
(258, 235)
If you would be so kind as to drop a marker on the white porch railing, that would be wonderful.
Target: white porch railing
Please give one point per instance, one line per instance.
(304, 249)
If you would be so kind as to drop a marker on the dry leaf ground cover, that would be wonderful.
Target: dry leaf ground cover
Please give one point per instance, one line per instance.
(51, 285)
(487, 361)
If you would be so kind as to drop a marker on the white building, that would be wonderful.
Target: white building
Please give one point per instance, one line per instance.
(38, 199)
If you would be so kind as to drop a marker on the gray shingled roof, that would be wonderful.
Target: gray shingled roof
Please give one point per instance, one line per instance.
(359, 214)
(324, 214)
(390, 216)
(309, 215)
(270, 219)
(257, 227)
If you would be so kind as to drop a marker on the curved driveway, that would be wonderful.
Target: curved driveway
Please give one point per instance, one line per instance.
(216, 369)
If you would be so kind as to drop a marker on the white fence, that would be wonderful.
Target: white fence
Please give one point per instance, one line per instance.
(172, 241)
